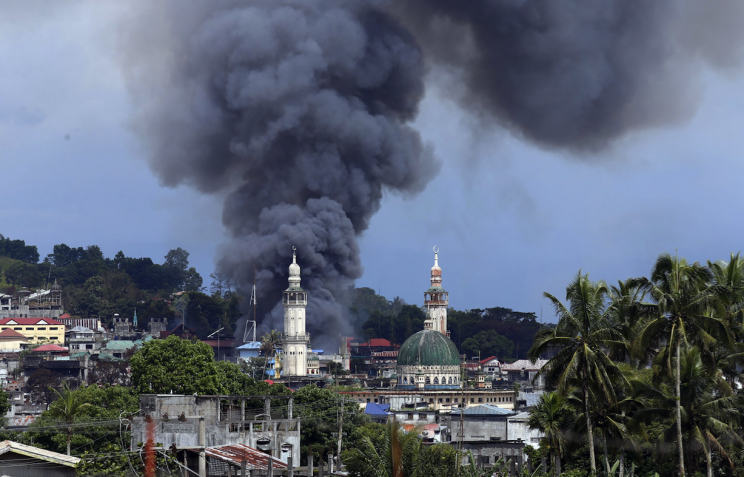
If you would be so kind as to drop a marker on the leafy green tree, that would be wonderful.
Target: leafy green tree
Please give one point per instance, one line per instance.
(175, 365)
(319, 409)
(581, 337)
(550, 416)
(489, 343)
(192, 280)
(5, 406)
(269, 342)
(177, 258)
(684, 299)
(68, 408)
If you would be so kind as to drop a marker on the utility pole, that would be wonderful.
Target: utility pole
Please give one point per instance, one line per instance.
(340, 430)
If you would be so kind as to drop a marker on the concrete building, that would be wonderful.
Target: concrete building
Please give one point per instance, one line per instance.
(294, 339)
(12, 341)
(442, 400)
(201, 422)
(81, 338)
(41, 303)
(525, 371)
(157, 325)
(37, 330)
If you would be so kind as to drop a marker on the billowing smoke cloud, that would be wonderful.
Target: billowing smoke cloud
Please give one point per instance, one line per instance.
(297, 110)
(578, 73)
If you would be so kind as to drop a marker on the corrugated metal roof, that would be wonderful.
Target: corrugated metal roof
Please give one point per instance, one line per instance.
(484, 410)
(250, 345)
(521, 364)
(41, 454)
(120, 344)
(237, 453)
(22, 421)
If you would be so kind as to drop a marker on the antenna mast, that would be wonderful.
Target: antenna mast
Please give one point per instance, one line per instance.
(253, 302)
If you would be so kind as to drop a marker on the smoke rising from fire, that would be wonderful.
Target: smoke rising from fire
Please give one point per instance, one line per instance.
(578, 74)
(298, 111)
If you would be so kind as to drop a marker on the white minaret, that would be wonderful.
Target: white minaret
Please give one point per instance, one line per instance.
(294, 338)
(436, 299)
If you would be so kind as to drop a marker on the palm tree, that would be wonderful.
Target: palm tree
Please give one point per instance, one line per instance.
(683, 296)
(269, 342)
(550, 416)
(729, 287)
(67, 407)
(626, 313)
(711, 412)
(395, 456)
(582, 335)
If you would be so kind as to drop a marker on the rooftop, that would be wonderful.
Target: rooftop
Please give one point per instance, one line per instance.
(41, 454)
(11, 334)
(49, 348)
(524, 364)
(484, 410)
(30, 321)
(235, 454)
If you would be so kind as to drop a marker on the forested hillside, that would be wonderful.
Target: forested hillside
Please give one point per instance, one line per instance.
(94, 285)
(492, 331)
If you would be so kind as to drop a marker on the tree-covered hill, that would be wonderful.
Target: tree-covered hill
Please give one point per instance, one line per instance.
(492, 331)
(95, 285)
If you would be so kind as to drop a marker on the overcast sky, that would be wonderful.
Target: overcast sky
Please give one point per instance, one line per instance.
(511, 220)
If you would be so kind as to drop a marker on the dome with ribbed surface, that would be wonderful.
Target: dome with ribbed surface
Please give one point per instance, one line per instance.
(428, 348)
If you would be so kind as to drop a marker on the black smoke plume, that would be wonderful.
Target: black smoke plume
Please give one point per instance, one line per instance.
(297, 110)
(578, 74)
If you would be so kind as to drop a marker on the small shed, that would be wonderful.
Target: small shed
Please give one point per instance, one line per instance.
(21, 460)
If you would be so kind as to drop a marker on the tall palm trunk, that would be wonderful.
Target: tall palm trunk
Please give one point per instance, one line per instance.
(589, 430)
(558, 463)
(606, 456)
(710, 462)
(69, 438)
(677, 385)
(621, 472)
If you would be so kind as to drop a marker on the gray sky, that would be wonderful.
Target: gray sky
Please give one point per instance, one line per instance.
(511, 220)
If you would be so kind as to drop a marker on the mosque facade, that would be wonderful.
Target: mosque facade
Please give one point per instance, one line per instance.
(429, 359)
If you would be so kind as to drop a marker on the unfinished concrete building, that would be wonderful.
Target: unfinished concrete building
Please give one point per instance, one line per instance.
(195, 423)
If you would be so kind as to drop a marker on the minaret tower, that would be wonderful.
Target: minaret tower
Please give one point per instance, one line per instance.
(436, 299)
(294, 338)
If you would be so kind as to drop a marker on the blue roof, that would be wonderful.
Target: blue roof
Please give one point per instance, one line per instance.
(380, 410)
(484, 410)
(318, 351)
(250, 345)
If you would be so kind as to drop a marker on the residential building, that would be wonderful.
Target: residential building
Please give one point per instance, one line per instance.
(37, 330)
(12, 341)
(525, 370)
(81, 338)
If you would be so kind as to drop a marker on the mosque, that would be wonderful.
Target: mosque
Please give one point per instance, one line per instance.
(429, 359)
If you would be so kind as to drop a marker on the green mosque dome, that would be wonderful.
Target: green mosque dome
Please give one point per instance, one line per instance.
(428, 348)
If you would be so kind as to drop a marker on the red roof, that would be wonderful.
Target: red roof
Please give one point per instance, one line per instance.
(10, 333)
(376, 342)
(484, 361)
(66, 315)
(31, 321)
(50, 347)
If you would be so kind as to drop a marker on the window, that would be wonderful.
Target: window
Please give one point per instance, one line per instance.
(448, 399)
(431, 399)
(480, 399)
(89, 346)
(472, 400)
(18, 328)
(440, 400)
(427, 380)
(29, 328)
(456, 399)
(52, 337)
(410, 416)
(436, 380)
(422, 416)
(53, 328)
(367, 399)
(41, 328)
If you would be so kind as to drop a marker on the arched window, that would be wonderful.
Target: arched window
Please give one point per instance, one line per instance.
(450, 380)
(405, 380)
(428, 381)
(436, 380)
